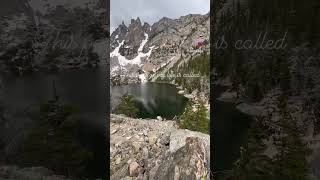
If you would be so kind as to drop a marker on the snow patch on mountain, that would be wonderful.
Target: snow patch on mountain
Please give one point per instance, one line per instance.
(168, 42)
(143, 78)
(123, 61)
(143, 43)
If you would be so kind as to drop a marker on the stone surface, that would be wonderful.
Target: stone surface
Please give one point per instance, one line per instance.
(155, 148)
(33, 37)
(159, 118)
(134, 169)
(186, 163)
(179, 136)
(31, 173)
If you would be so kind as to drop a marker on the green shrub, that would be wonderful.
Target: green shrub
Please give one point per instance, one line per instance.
(195, 118)
(127, 106)
(53, 142)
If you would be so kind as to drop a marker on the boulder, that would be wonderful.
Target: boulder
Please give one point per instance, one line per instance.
(134, 169)
(152, 137)
(190, 162)
(152, 145)
(181, 92)
(179, 136)
(252, 110)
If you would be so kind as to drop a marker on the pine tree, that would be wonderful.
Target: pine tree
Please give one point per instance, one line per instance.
(195, 118)
(127, 106)
(290, 162)
(203, 121)
(253, 164)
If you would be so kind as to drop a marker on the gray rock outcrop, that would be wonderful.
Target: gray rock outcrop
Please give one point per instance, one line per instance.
(163, 44)
(153, 149)
(47, 35)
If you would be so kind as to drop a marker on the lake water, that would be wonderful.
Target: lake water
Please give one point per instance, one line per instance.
(85, 89)
(230, 129)
(153, 99)
(88, 91)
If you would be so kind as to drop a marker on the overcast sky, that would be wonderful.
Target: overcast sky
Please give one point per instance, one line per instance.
(152, 10)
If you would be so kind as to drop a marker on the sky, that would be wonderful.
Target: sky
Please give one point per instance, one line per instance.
(153, 10)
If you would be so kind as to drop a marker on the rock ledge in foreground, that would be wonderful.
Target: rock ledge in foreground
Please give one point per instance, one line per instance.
(153, 149)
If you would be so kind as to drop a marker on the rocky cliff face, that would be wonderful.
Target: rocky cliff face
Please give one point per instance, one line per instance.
(153, 149)
(50, 35)
(139, 51)
(273, 85)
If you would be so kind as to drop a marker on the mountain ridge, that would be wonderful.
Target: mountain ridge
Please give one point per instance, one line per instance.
(165, 41)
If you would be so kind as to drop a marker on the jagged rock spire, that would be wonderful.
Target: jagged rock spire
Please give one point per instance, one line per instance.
(137, 21)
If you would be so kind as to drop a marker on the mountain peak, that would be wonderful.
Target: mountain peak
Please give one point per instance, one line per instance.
(146, 27)
(137, 21)
(146, 48)
(164, 19)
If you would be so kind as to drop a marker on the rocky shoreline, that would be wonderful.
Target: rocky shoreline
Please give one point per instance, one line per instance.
(251, 109)
(154, 149)
(268, 112)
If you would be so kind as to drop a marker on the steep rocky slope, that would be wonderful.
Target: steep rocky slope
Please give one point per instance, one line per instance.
(153, 149)
(140, 51)
(43, 35)
(279, 87)
(50, 35)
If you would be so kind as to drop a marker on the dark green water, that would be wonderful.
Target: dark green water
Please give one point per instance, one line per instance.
(87, 90)
(153, 99)
(230, 129)
(84, 89)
